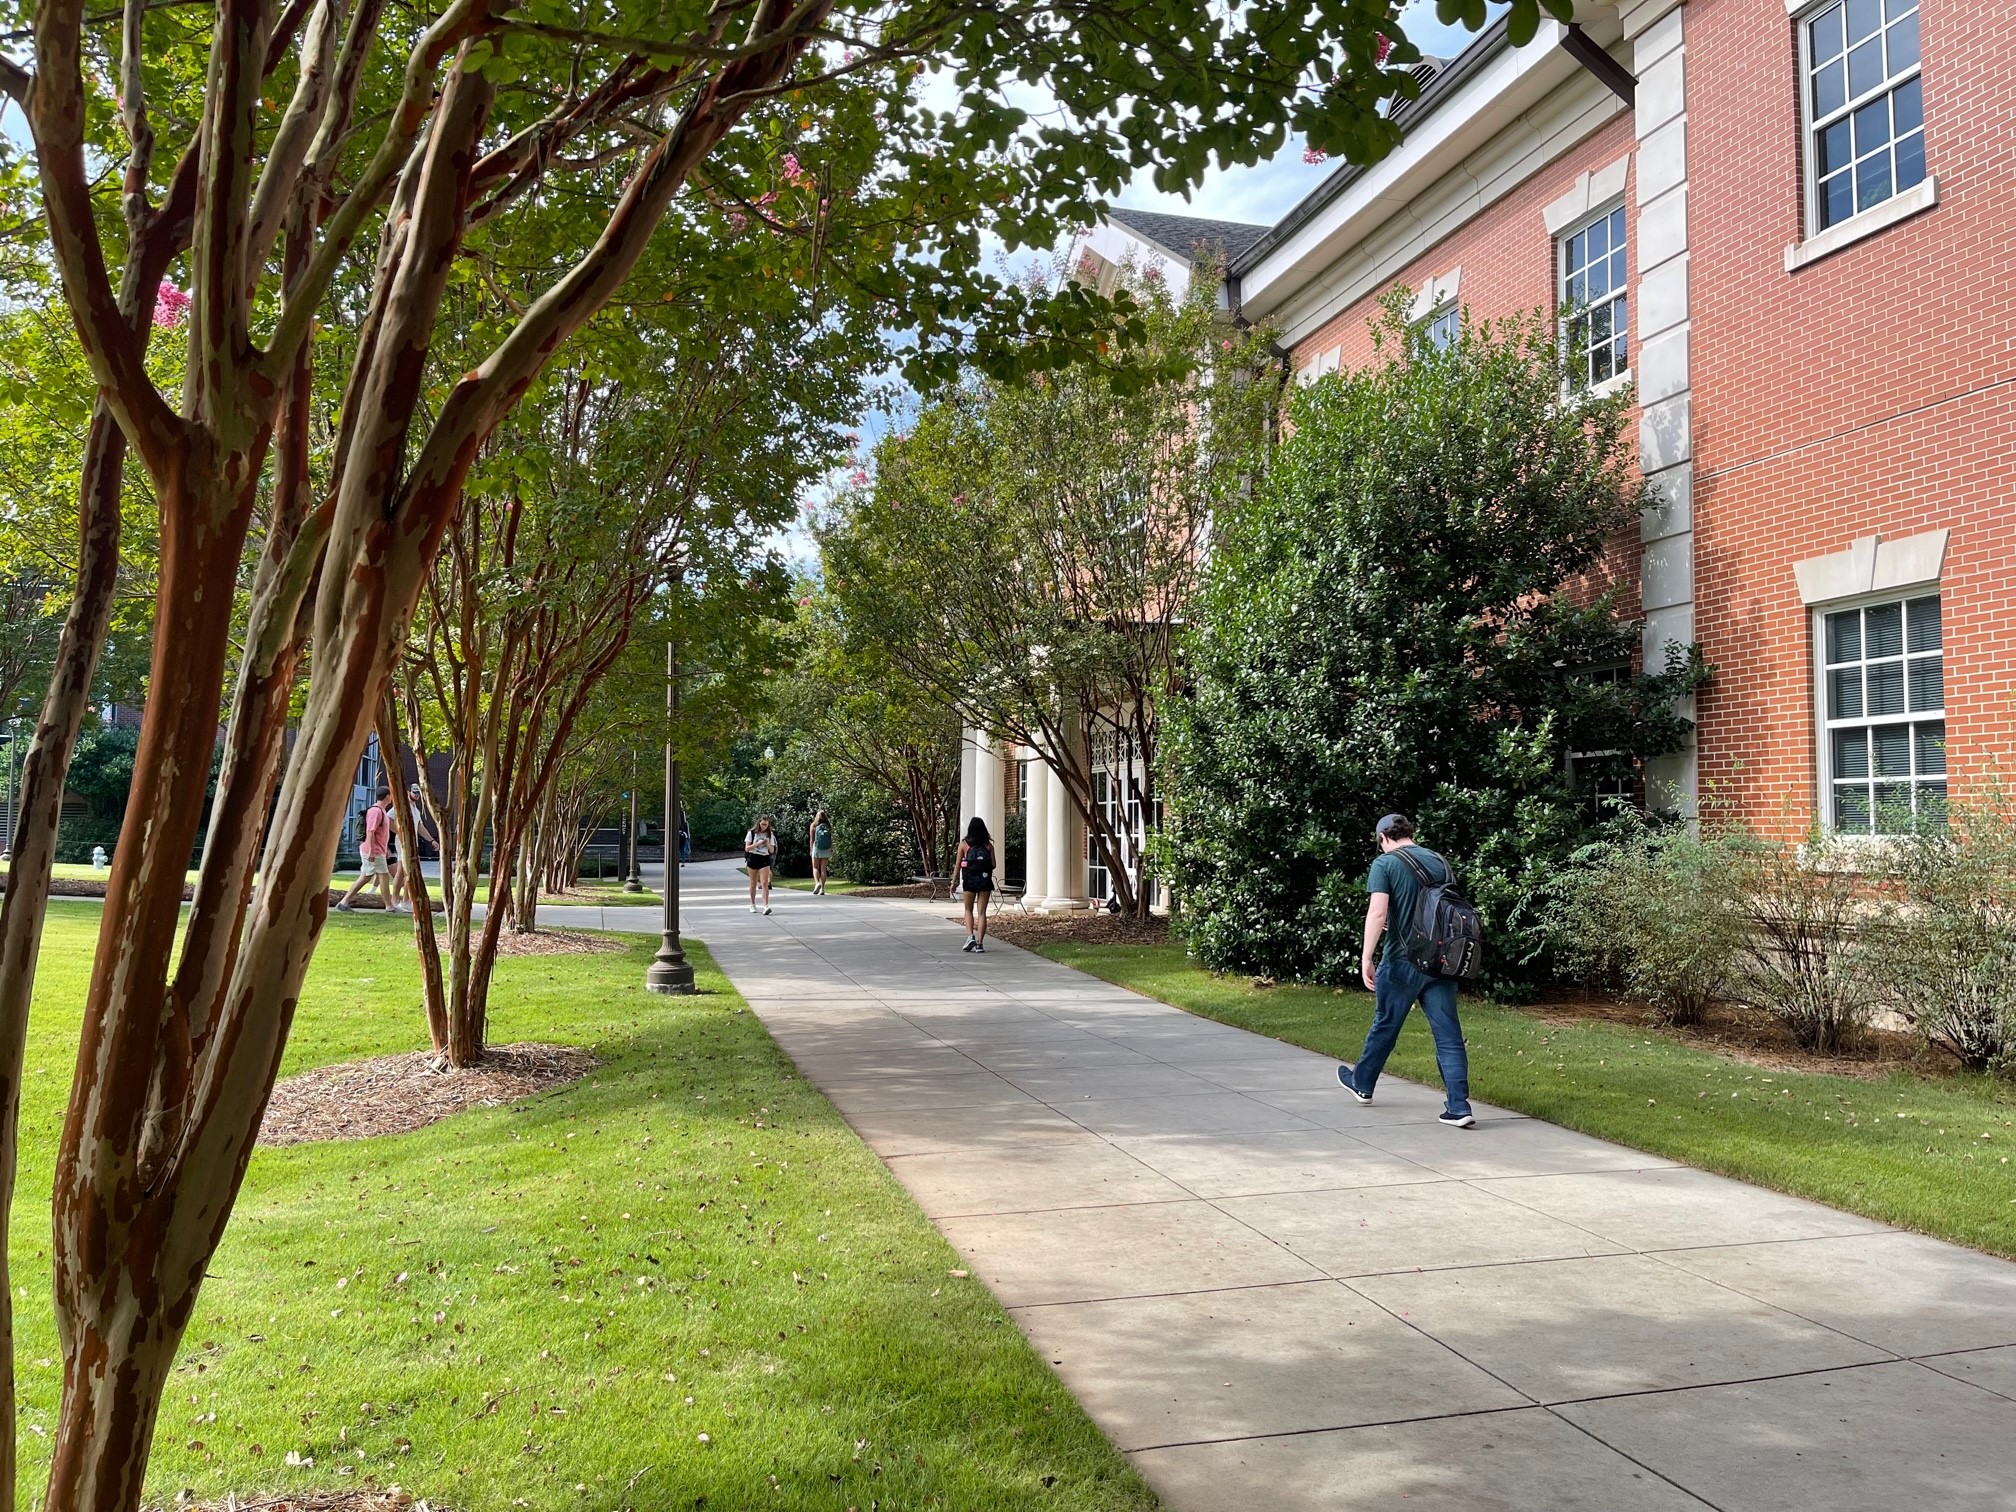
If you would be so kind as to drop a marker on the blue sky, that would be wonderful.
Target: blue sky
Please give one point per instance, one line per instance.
(1265, 192)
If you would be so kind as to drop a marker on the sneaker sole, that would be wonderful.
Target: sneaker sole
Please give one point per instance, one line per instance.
(1465, 1122)
(1364, 1098)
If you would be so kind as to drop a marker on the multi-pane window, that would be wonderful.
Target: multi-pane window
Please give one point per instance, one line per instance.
(1595, 314)
(1884, 695)
(1865, 105)
(1442, 326)
(1607, 780)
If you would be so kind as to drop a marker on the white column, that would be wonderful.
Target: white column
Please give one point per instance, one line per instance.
(990, 781)
(1066, 887)
(969, 795)
(1036, 822)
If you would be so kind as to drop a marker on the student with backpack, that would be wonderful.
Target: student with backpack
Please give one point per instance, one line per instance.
(976, 882)
(1432, 941)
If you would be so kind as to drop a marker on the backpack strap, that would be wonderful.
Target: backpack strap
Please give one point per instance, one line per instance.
(1420, 871)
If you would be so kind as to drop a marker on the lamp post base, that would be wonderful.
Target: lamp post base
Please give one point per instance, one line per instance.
(632, 885)
(670, 972)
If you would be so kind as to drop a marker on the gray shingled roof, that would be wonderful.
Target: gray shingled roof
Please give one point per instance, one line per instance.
(1180, 235)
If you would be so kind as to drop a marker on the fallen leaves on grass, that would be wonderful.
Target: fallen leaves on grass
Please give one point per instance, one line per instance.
(394, 1094)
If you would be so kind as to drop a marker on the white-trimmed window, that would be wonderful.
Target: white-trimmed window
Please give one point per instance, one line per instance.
(1882, 701)
(1441, 326)
(1595, 308)
(1864, 104)
(1022, 784)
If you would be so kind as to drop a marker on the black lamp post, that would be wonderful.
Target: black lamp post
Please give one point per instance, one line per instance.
(634, 883)
(670, 971)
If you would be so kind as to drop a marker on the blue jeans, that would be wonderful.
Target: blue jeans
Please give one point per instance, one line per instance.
(1401, 985)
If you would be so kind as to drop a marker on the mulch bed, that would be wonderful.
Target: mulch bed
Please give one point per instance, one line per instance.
(364, 1499)
(395, 1094)
(556, 942)
(1751, 1038)
(1086, 928)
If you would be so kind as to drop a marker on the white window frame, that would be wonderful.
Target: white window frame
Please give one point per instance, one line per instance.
(1900, 202)
(1447, 311)
(1824, 727)
(1580, 381)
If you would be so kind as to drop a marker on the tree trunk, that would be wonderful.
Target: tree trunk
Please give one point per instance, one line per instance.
(34, 842)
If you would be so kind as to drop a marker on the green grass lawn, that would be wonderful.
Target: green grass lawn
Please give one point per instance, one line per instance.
(1924, 1153)
(804, 884)
(590, 893)
(682, 1282)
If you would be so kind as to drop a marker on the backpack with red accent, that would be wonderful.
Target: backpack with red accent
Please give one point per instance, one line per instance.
(1445, 938)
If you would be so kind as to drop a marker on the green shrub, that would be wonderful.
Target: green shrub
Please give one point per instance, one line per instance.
(1390, 623)
(1653, 911)
(1946, 955)
(1811, 915)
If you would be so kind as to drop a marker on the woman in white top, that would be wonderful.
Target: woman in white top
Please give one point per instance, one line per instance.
(759, 849)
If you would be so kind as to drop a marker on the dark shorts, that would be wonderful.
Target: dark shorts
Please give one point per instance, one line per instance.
(755, 862)
(978, 885)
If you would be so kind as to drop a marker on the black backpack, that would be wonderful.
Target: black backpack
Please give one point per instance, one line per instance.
(1445, 938)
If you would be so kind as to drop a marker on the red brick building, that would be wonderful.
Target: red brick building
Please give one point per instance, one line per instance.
(1791, 226)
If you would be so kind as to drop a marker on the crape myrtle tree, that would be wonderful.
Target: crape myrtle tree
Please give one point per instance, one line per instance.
(1029, 553)
(327, 166)
(1408, 615)
(679, 445)
(857, 720)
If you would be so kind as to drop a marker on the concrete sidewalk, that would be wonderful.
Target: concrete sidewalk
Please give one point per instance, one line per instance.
(1275, 1299)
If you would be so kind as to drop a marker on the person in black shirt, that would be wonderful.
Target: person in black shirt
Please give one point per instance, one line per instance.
(976, 882)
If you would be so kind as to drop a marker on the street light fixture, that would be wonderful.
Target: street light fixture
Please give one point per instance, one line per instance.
(670, 971)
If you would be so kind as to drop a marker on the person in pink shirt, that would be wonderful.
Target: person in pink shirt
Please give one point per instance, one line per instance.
(374, 854)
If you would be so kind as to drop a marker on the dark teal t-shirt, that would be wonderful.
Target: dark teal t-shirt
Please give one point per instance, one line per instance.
(1392, 876)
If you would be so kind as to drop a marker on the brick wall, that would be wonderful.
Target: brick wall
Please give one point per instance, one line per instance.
(1872, 392)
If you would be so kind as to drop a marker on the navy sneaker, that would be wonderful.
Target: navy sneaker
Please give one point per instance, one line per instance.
(1457, 1120)
(1345, 1074)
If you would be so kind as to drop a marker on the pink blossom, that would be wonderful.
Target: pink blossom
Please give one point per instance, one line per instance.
(1152, 275)
(1313, 154)
(804, 603)
(1225, 346)
(170, 305)
(1385, 46)
(737, 220)
(1039, 380)
(790, 166)
(859, 477)
(959, 498)
(852, 438)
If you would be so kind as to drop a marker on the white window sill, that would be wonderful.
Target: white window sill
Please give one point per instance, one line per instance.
(1610, 385)
(1921, 196)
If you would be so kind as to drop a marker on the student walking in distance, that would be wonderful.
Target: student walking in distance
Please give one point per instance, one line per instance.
(759, 849)
(374, 853)
(400, 886)
(976, 882)
(819, 840)
(1397, 880)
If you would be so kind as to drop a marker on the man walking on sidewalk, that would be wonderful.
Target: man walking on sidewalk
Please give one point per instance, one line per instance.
(1395, 884)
